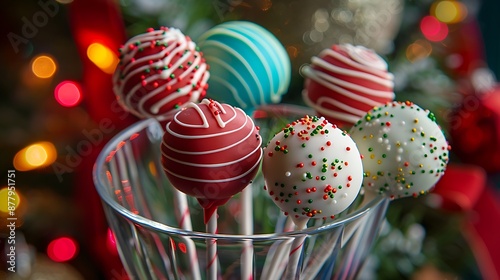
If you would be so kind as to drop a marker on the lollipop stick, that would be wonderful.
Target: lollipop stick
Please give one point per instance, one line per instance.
(296, 250)
(247, 229)
(312, 241)
(346, 235)
(184, 220)
(276, 255)
(351, 228)
(316, 263)
(279, 261)
(212, 247)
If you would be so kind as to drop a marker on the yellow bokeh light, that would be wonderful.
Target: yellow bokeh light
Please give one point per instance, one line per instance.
(449, 11)
(9, 200)
(43, 66)
(102, 57)
(34, 156)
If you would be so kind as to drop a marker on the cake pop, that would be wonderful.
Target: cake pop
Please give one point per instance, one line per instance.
(312, 169)
(404, 150)
(211, 151)
(345, 81)
(249, 67)
(159, 72)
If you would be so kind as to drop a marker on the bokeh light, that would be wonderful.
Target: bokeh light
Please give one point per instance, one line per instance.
(102, 57)
(433, 29)
(9, 198)
(418, 50)
(62, 249)
(43, 66)
(35, 156)
(111, 242)
(68, 93)
(449, 11)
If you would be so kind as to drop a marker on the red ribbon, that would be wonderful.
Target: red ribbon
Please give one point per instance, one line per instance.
(483, 233)
(460, 187)
(464, 188)
(98, 21)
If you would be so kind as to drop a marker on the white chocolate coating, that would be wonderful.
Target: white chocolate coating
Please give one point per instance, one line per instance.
(404, 150)
(312, 169)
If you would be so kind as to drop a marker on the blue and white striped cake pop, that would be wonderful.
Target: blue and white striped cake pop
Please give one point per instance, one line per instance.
(249, 67)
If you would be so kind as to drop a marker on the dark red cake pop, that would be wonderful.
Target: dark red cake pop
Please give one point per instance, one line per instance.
(211, 151)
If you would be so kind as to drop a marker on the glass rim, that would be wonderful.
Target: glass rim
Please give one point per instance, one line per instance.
(99, 184)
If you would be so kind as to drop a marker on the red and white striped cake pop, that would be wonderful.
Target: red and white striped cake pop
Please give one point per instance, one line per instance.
(159, 72)
(345, 81)
(211, 151)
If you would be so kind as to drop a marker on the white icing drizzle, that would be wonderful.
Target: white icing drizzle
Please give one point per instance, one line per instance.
(371, 69)
(264, 42)
(366, 57)
(228, 86)
(216, 61)
(319, 107)
(208, 165)
(224, 109)
(217, 180)
(177, 44)
(252, 96)
(217, 111)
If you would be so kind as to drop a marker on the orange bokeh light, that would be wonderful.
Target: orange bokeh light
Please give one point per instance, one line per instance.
(43, 66)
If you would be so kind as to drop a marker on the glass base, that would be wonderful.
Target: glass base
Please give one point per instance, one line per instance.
(144, 212)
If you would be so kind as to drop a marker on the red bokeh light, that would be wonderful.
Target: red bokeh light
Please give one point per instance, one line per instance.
(62, 249)
(68, 93)
(433, 29)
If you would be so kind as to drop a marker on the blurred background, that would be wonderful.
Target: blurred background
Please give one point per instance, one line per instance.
(57, 110)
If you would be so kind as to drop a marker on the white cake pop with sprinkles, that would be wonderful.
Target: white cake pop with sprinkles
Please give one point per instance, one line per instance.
(312, 169)
(404, 150)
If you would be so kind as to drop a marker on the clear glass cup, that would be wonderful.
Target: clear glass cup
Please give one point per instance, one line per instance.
(142, 212)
